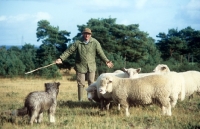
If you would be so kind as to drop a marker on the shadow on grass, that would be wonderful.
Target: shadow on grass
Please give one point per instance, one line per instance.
(83, 104)
(75, 104)
(7, 116)
(89, 106)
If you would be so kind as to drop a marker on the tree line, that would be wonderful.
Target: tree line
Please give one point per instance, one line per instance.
(126, 45)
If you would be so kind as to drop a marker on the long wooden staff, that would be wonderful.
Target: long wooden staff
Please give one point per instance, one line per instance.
(40, 68)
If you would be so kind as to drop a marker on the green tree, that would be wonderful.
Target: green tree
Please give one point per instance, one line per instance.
(3, 61)
(50, 72)
(172, 45)
(153, 57)
(45, 55)
(54, 42)
(15, 66)
(192, 39)
(28, 56)
(52, 35)
(181, 45)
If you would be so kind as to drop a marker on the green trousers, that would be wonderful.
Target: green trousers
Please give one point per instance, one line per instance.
(81, 80)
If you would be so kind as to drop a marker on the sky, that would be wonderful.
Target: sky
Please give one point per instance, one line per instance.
(18, 18)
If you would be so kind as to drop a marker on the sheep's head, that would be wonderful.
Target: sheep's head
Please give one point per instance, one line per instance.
(132, 73)
(161, 68)
(105, 84)
(91, 93)
(92, 96)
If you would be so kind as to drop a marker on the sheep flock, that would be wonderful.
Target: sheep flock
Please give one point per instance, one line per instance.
(129, 87)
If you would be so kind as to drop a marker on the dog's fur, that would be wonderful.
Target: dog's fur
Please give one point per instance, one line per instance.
(38, 101)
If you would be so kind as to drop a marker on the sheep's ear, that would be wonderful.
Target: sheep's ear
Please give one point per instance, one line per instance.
(91, 88)
(138, 70)
(110, 79)
(123, 69)
(163, 68)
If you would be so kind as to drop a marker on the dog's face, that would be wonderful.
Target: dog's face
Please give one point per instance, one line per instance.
(52, 87)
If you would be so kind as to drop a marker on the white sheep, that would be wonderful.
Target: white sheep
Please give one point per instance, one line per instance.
(179, 86)
(133, 73)
(192, 82)
(192, 79)
(161, 68)
(141, 91)
(118, 71)
(95, 96)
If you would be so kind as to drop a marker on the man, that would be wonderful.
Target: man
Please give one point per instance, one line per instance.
(86, 50)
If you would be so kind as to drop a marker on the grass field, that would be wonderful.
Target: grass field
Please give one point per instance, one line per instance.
(71, 114)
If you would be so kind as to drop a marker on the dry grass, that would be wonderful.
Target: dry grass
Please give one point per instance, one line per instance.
(71, 114)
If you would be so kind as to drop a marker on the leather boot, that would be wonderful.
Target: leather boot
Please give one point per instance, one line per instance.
(80, 93)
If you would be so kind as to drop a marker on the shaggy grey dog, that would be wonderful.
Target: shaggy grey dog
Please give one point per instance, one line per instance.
(38, 101)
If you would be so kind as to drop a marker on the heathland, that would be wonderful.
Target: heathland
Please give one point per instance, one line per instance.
(71, 114)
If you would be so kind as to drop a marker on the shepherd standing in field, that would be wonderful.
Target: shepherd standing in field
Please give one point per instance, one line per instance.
(86, 49)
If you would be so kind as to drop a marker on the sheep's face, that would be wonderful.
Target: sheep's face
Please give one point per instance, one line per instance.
(91, 93)
(161, 68)
(132, 73)
(105, 85)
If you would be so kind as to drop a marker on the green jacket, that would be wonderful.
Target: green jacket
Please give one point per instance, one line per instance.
(85, 55)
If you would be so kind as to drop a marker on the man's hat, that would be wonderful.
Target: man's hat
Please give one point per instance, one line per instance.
(87, 30)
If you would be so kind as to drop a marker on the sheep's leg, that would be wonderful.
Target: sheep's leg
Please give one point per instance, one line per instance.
(191, 97)
(126, 107)
(169, 112)
(182, 94)
(107, 104)
(118, 106)
(127, 112)
(163, 110)
(166, 106)
(173, 100)
(101, 104)
(166, 110)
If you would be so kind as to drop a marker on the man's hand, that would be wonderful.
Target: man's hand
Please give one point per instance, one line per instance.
(109, 64)
(59, 61)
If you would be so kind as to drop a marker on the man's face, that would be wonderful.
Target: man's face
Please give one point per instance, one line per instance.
(86, 36)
